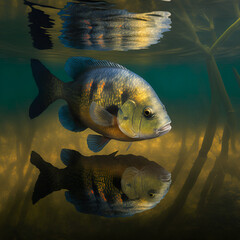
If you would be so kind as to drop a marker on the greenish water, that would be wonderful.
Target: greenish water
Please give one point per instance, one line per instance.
(186, 50)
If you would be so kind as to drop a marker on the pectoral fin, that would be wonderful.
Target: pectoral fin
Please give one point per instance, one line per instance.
(97, 142)
(100, 115)
(69, 121)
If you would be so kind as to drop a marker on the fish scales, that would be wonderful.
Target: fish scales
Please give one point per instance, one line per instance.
(101, 182)
(121, 81)
(96, 186)
(107, 185)
(105, 97)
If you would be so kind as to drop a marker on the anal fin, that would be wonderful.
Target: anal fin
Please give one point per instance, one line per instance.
(97, 142)
(68, 121)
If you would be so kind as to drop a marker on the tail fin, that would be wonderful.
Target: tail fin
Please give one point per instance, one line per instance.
(50, 88)
(49, 179)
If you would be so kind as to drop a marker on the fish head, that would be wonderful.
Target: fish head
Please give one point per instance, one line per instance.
(146, 186)
(153, 183)
(154, 120)
(144, 119)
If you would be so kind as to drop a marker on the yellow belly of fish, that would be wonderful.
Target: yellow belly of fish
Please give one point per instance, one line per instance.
(112, 132)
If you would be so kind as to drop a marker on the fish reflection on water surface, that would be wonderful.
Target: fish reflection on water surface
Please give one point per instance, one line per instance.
(103, 96)
(98, 27)
(107, 185)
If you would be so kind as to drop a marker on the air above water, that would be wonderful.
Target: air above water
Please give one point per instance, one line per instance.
(119, 119)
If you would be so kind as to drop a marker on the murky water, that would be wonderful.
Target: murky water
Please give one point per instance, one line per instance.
(188, 51)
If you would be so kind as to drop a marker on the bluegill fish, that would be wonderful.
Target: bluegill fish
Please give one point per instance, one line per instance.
(101, 27)
(108, 185)
(103, 96)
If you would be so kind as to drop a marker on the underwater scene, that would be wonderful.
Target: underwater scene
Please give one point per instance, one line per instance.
(119, 119)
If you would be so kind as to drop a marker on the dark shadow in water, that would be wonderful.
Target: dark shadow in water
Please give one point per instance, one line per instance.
(39, 22)
(96, 26)
(107, 185)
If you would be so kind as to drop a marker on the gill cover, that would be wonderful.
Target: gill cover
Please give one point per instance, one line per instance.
(128, 183)
(127, 121)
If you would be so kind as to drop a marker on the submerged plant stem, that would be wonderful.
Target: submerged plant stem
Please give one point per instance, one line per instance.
(216, 177)
(219, 97)
(237, 76)
(223, 96)
(225, 35)
(198, 164)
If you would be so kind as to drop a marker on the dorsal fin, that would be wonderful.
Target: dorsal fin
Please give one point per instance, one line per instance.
(77, 65)
(69, 156)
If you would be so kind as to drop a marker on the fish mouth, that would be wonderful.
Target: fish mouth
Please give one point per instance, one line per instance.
(163, 130)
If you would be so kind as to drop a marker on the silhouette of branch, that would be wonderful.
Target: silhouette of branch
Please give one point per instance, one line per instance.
(225, 35)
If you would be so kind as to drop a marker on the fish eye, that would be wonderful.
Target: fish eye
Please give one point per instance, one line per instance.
(152, 193)
(164, 108)
(147, 112)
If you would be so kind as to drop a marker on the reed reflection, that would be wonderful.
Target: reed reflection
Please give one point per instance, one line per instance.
(39, 23)
(105, 185)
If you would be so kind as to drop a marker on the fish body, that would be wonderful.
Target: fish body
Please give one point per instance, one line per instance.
(100, 27)
(109, 185)
(109, 88)
(104, 96)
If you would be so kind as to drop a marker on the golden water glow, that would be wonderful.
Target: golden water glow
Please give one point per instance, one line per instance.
(49, 137)
(53, 217)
